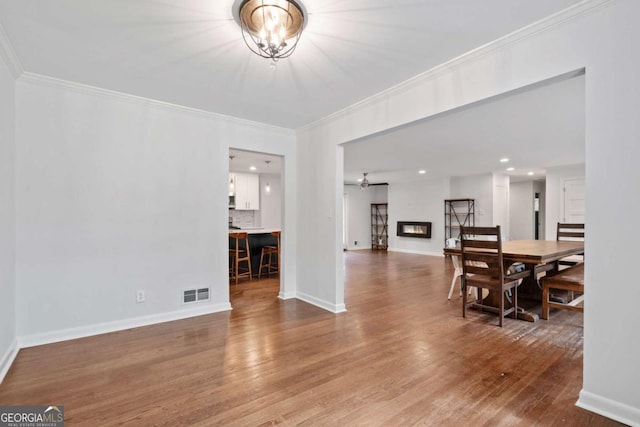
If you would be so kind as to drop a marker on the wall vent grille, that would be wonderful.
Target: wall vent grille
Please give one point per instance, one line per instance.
(190, 296)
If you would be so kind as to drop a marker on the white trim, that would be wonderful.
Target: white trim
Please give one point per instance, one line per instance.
(326, 305)
(545, 24)
(352, 248)
(8, 358)
(8, 53)
(410, 251)
(139, 100)
(118, 325)
(609, 408)
(285, 296)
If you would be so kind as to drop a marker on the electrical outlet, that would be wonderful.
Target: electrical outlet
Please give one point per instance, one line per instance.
(140, 296)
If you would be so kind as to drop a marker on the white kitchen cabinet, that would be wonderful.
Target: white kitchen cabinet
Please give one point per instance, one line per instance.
(247, 187)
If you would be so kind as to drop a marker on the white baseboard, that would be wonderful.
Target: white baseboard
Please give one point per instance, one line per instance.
(286, 296)
(409, 251)
(7, 359)
(118, 325)
(358, 248)
(326, 305)
(609, 408)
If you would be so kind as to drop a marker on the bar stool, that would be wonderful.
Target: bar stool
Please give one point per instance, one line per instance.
(239, 253)
(266, 257)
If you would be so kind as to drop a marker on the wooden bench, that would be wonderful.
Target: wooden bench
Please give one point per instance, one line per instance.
(572, 280)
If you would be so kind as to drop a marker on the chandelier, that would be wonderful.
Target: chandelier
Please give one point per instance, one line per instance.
(271, 28)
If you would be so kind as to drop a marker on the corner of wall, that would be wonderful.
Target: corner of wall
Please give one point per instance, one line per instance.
(7, 359)
(7, 53)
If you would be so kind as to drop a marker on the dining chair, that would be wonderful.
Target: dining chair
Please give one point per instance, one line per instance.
(483, 267)
(267, 254)
(570, 232)
(457, 271)
(238, 254)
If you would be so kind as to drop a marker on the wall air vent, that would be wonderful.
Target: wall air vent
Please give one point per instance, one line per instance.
(195, 295)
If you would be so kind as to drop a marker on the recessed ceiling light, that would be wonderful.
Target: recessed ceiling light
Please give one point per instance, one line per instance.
(422, 171)
(504, 160)
(252, 168)
(530, 173)
(359, 179)
(511, 169)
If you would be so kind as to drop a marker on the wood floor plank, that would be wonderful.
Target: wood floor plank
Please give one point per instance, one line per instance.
(401, 355)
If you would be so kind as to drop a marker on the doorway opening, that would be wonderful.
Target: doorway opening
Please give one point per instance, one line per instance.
(256, 199)
(536, 216)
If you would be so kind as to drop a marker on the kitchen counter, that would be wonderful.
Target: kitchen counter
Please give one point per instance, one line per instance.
(253, 230)
(258, 238)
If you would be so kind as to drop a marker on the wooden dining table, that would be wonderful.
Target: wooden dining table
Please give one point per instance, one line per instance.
(537, 256)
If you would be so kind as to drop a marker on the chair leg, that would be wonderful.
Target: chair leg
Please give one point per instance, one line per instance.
(473, 290)
(456, 274)
(237, 264)
(232, 263)
(260, 268)
(464, 296)
(501, 314)
(272, 269)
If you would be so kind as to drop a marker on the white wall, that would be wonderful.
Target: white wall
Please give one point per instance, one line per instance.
(359, 216)
(554, 193)
(521, 210)
(418, 201)
(320, 203)
(270, 203)
(480, 188)
(599, 36)
(501, 204)
(8, 344)
(540, 187)
(117, 194)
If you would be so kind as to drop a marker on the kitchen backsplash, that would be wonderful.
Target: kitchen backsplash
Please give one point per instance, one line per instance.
(242, 218)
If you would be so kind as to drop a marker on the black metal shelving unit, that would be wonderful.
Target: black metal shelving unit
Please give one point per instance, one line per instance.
(458, 213)
(379, 226)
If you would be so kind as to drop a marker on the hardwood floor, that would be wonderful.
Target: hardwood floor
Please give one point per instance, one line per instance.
(401, 355)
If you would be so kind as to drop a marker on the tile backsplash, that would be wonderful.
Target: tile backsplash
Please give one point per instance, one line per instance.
(242, 218)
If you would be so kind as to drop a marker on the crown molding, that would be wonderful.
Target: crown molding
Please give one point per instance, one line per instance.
(139, 100)
(9, 55)
(548, 23)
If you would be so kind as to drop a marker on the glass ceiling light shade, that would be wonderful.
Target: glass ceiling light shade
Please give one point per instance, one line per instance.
(365, 182)
(267, 187)
(271, 28)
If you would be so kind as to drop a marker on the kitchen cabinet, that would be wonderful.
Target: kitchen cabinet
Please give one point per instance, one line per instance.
(247, 191)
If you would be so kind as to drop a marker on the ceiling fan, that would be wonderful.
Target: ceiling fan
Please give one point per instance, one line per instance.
(364, 183)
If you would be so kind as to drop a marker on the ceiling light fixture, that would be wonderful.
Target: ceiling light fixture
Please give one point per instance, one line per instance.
(530, 173)
(422, 171)
(267, 188)
(511, 169)
(271, 28)
(232, 186)
(504, 160)
(252, 168)
(365, 182)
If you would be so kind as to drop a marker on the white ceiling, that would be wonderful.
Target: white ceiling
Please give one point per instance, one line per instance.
(535, 129)
(245, 161)
(191, 53)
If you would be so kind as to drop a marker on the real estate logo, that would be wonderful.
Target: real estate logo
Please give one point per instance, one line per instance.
(32, 416)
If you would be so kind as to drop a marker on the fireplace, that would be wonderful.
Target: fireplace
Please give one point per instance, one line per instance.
(414, 229)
